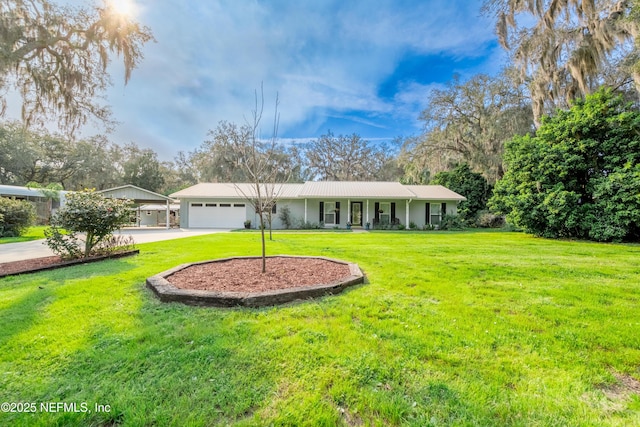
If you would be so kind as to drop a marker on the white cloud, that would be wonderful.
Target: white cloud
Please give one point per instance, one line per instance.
(325, 58)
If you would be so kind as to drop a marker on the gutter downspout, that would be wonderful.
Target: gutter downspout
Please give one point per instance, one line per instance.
(168, 218)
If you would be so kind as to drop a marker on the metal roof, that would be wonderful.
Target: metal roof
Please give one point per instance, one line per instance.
(372, 189)
(14, 190)
(139, 195)
(236, 191)
(173, 207)
(434, 192)
(322, 189)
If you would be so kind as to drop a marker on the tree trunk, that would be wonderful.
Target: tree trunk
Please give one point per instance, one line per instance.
(88, 244)
(264, 252)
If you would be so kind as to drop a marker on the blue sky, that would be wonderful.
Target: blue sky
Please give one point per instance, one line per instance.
(363, 66)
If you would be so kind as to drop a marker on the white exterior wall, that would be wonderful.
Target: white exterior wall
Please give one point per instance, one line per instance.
(417, 210)
(150, 218)
(184, 213)
(297, 214)
(297, 208)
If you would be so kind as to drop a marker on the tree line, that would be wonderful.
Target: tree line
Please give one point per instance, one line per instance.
(33, 155)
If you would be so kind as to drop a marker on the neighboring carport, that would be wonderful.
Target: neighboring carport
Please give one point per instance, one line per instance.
(140, 196)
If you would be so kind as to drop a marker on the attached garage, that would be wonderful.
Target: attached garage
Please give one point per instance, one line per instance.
(216, 214)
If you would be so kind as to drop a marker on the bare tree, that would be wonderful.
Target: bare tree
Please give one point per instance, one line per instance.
(216, 160)
(258, 159)
(349, 158)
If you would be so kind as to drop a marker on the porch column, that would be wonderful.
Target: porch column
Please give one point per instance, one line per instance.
(407, 222)
(367, 210)
(168, 214)
(348, 210)
(305, 211)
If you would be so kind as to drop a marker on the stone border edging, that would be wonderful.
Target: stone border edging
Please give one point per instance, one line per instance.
(74, 262)
(166, 292)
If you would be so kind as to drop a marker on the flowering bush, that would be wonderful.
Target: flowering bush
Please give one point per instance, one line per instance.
(89, 219)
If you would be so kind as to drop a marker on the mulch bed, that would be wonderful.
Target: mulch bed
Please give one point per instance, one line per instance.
(245, 275)
(52, 262)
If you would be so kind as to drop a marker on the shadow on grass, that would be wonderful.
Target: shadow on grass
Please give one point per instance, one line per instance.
(170, 365)
(20, 315)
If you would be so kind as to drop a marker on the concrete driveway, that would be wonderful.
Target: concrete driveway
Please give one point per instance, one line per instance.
(37, 248)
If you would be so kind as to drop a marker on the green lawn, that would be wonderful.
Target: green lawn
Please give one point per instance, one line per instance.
(32, 233)
(476, 329)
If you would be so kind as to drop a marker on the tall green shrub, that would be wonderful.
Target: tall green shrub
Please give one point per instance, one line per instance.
(285, 217)
(579, 177)
(89, 219)
(15, 216)
(471, 185)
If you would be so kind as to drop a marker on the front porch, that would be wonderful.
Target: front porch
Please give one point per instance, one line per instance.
(368, 213)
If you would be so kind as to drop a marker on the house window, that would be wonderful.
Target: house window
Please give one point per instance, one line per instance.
(225, 205)
(436, 212)
(330, 213)
(196, 205)
(210, 205)
(265, 209)
(238, 205)
(384, 212)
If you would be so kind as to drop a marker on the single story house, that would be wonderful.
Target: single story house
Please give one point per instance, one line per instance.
(226, 205)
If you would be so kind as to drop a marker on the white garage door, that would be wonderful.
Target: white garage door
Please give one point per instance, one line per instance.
(217, 215)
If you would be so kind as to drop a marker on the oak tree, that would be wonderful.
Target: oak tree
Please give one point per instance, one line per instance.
(56, 57)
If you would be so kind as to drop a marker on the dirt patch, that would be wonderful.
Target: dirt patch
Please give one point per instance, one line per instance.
(612, 398)
(626, 386)
(53, 262)
(245, 275)
(27, 265)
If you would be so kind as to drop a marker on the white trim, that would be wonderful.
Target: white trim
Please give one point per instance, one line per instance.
(367, 210)
(407, 214)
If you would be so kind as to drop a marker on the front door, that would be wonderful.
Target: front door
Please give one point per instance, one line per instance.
(356, 213)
